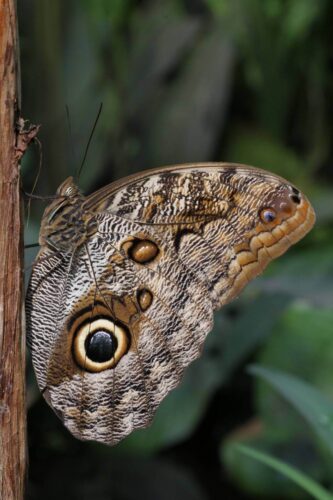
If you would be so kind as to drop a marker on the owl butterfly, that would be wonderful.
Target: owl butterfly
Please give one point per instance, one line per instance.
(123, 290)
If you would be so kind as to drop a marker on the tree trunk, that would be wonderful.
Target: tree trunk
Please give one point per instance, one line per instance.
(12, 342)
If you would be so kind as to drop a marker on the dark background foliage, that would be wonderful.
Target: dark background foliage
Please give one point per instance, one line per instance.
(183, 81)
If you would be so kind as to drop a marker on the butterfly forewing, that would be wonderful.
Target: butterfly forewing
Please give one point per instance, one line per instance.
(212, 215)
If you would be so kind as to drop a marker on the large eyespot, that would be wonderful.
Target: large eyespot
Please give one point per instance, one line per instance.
(99, 345)
(267, 215)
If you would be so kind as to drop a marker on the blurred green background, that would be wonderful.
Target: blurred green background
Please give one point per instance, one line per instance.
(183, 81)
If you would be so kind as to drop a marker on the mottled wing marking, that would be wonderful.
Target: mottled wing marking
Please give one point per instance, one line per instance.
(211, 216)
(186, 240)
(166, 337)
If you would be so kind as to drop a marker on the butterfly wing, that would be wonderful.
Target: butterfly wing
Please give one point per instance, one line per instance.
(161, 308)
(114, 322)
(217, 217)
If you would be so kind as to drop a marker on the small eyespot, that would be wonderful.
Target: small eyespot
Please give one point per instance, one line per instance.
(145, 298)
(296, 199)
(267, 215)
(99, 345)
(143, 251)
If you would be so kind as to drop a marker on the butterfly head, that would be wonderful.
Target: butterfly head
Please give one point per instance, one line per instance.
(69, 189)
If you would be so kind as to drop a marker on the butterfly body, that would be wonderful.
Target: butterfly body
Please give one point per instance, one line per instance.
(122, 294)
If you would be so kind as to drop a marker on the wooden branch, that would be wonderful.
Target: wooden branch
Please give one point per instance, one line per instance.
(12, 342)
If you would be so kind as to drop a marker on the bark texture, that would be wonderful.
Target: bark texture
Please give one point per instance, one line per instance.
(12, 342)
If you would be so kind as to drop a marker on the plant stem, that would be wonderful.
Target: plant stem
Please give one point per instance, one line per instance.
(12, 342)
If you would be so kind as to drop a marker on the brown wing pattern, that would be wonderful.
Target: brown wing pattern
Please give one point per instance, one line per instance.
(121, 296)
(213, 215)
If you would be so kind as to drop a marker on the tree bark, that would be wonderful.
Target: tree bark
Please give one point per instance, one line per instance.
(12, 341)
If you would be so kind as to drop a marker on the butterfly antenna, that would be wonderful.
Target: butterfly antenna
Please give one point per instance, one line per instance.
(40, 163)
(43, 198)
(78, 173)
(31, 245)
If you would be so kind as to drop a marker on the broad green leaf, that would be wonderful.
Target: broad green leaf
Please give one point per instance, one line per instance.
(301, 345)
(314, 406)
(310, 486)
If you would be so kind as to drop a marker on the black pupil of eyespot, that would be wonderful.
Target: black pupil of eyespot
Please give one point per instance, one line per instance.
(296, 199)
(101, 346)
(268, 216)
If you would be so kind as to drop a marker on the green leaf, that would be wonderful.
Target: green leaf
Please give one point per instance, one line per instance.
(301, 345)
(315, 407)
(292, 473)
(260, 481)
(299, 18)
